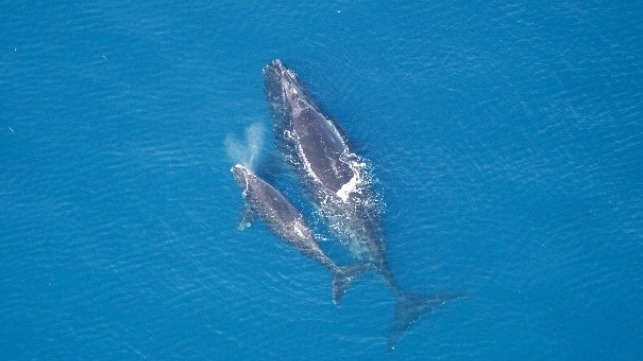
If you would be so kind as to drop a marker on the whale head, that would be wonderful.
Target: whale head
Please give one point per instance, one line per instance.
(283, 89)
(242, 175)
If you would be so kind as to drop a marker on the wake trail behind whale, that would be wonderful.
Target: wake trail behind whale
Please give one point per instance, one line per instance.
(248, 150)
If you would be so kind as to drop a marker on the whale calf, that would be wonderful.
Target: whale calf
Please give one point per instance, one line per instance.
(338, 182)
(283, 219)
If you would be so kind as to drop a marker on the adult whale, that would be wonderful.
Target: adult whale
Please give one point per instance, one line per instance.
(283, 219)
(339, 183)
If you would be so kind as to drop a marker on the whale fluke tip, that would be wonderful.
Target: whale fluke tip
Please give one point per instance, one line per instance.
(409, 309)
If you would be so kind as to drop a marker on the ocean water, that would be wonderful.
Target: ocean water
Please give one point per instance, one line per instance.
(506, 139)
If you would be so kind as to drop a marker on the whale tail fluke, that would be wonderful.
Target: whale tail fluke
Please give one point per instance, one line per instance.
(344, 276)
(410, 307)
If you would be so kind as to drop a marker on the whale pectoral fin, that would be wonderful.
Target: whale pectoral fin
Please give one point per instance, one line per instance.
(247, 218)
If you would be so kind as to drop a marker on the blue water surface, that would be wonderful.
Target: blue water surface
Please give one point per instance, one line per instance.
(506, 138)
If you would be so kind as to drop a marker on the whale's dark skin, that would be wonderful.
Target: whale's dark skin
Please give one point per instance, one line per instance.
(323, 148)
(335, 176)
(283, 219)
(338, 183)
